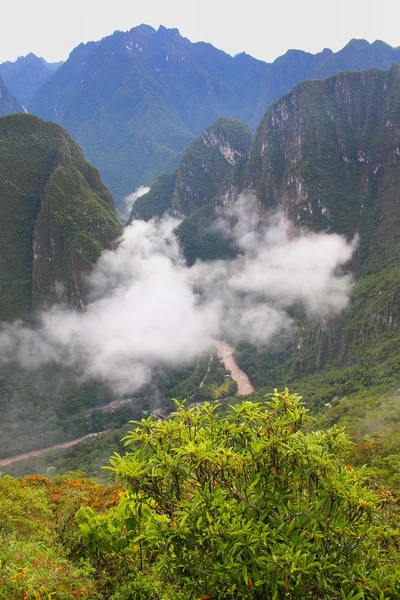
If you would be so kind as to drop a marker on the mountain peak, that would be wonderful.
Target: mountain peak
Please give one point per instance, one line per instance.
(173, 32)
(144, 28)
(356, 44)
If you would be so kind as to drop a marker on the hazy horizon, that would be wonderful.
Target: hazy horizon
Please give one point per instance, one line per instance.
(264, 32)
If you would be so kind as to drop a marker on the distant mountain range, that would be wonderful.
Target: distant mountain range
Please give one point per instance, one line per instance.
(134, 100)
(24, 76)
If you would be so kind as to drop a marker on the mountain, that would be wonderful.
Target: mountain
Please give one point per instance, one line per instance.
(8, 104)
(295, 66)
(328, 155)
(56, 216)
(205, 163)
(24, 76)
(52, 66)
(134, 100)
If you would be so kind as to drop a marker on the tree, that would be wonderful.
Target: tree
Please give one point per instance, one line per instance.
(244, 505)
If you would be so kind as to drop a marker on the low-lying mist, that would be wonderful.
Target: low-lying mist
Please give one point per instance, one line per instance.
(129, 201)
(148, 309)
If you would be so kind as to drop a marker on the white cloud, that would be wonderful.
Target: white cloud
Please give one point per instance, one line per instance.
(148, 309)
(130, 200)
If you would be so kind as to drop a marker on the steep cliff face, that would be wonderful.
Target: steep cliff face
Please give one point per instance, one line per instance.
(205, 164)
(328, 154)
(56, 216)
(8, 103)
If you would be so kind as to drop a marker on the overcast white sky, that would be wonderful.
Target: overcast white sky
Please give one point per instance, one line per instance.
(262, 28)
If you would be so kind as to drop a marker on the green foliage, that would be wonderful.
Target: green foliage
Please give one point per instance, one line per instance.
(33, 564)
(372, 419)
(243, 505)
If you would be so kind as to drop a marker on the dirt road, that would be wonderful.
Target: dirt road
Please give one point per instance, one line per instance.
(225, 354)
(12, 459)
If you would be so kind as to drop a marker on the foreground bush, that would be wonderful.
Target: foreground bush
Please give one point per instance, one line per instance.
(33, 562)
(244, 505)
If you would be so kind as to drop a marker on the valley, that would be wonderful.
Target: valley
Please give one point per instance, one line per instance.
(200, 385)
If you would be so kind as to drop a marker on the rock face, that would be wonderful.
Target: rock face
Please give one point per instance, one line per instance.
(8, 104)
(328, 154)
(135, 100)
(24, 76)
(55, 216)
(205, 163)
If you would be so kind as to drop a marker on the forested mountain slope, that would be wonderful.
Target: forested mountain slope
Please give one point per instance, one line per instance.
(56, 216)
(328, 155)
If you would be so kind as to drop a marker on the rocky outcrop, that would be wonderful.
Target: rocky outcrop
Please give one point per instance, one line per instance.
(205, 164)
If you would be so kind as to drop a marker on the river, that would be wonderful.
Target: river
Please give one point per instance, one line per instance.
(225, 353)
